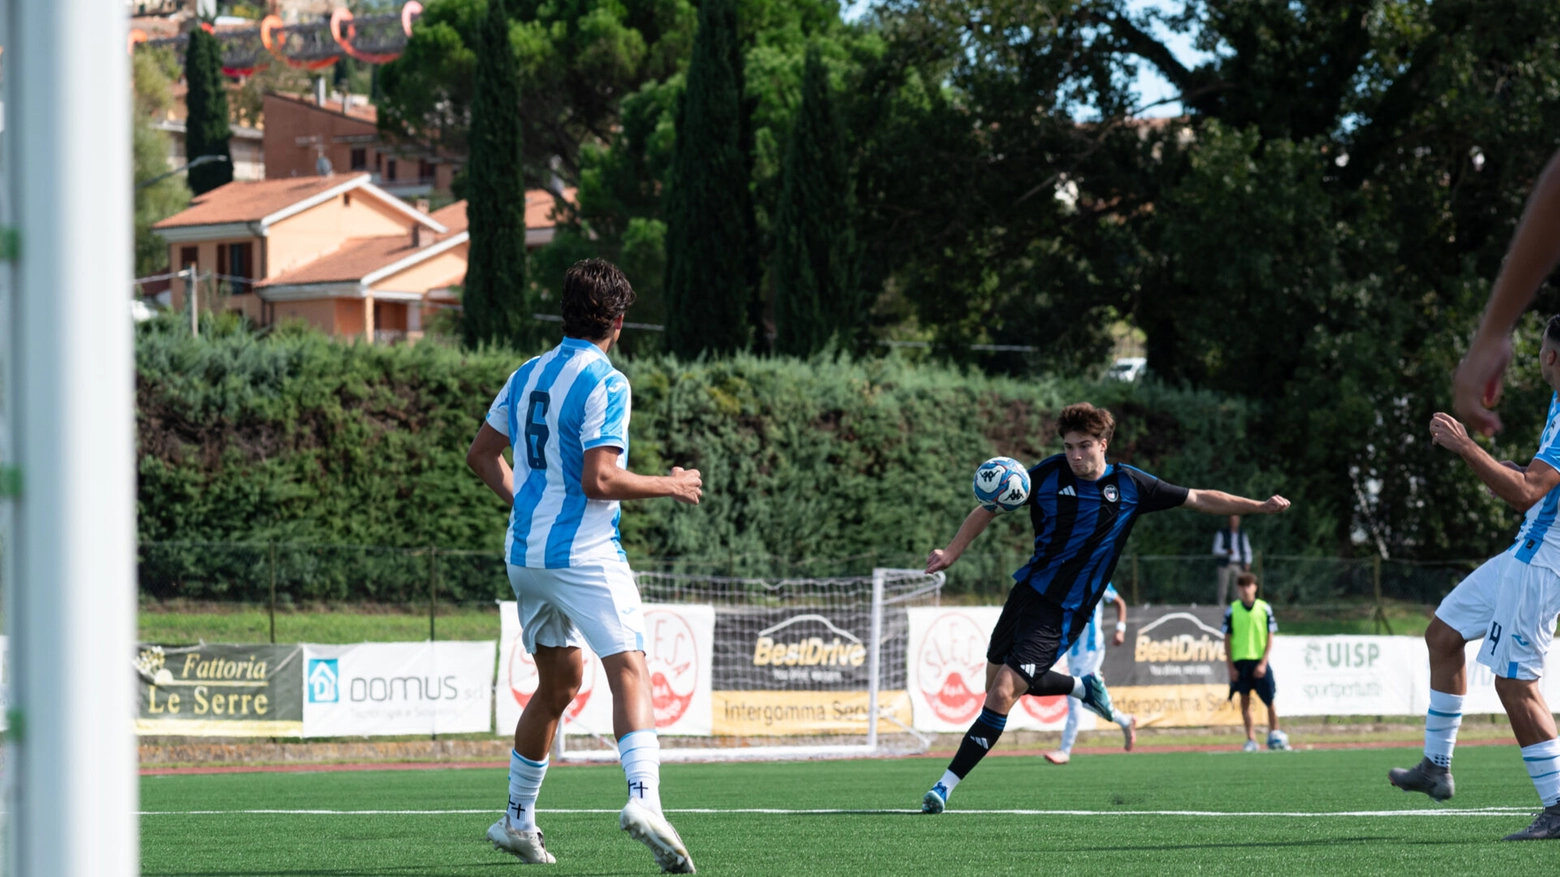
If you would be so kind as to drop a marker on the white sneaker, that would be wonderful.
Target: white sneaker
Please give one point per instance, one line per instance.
(651, 829)
(524, 845)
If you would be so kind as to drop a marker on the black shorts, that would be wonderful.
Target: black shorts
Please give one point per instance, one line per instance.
(1248, 681)
(1029, 635)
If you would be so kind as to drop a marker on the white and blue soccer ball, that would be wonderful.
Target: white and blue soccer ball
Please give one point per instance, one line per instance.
(1278, 740)
(1001, 484)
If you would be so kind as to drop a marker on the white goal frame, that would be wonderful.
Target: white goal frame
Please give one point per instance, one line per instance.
(871, 746)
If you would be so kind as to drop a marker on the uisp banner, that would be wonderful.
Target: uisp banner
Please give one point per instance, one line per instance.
(373, 689)
(679, 651)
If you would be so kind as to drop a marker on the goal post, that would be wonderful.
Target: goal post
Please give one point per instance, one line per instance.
(799, 668)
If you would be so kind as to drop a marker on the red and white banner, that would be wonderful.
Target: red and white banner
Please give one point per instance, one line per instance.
(946, 678)
(679, 649)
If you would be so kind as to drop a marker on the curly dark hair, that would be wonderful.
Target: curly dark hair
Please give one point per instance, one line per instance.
(595, 293)
(1552, 331)
(1087, 419)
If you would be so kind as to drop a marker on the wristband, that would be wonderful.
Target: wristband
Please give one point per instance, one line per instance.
(1121, 627)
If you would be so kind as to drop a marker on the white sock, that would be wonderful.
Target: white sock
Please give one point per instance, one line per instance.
(949, 780)
(1543, 766)
(1077, 687)
(640, 753)
(1070, 730)
(1124, 720)
(1441, 724)
(525, 781)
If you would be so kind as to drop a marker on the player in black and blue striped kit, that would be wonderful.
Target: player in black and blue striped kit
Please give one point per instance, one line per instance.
(1083, 510)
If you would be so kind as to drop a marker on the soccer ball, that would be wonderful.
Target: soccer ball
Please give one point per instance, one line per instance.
(1001, 484)
(1278, 740)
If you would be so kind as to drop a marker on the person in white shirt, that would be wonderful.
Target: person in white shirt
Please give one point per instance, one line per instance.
(566, 414)
(1233, 550)
(1085, 658)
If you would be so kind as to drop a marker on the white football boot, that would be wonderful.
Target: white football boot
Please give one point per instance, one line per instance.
(524, 845)
(651, 829)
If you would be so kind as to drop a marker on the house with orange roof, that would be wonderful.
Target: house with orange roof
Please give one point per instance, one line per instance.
(335, 251)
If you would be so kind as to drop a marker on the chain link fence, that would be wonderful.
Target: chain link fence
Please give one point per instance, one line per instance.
(290, 574)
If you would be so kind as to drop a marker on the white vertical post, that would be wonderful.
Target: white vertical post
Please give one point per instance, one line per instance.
(192, 299)
(875, 657)
(71, 619)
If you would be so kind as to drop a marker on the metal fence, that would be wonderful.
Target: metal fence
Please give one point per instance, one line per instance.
(289, 574)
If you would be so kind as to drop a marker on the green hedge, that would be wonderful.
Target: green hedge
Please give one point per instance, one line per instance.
(818, 467)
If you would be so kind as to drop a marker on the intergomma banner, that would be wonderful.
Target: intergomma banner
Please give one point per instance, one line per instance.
(220, 690)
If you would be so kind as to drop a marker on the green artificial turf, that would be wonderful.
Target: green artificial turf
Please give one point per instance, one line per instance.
(1114, 836)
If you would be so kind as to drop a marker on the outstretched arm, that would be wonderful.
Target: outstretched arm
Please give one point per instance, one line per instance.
(1535, 249)
(1519, 487)
(974, 524)
(602, 479)
(1217, 502)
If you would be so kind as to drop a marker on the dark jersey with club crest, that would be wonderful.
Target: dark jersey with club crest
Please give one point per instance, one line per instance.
(1082, 526)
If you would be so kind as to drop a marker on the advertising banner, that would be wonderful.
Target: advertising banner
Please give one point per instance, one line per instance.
(1171, 669)
(946, 677)
(373, 689)
(220, 690)
(679, 649)
(1347, 675)
(802, 670)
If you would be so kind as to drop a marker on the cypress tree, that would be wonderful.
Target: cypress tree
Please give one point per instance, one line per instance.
(496, 304)
(813, 295)
(709, 215)
(206, 128)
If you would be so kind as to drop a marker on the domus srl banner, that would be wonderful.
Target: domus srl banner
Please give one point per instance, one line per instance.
(679, 651)
(397, 688)
(220, 690)
(946, 673)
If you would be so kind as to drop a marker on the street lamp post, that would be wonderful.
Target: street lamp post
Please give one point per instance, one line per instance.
(197, 161)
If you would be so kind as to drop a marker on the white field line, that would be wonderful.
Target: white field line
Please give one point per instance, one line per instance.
(767, 811)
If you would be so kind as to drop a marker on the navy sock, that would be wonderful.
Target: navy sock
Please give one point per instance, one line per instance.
(978, 740)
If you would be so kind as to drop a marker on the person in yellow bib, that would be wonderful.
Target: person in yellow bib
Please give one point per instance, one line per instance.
(1248, 639)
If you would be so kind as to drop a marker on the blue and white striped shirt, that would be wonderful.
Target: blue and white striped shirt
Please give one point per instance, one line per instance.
(553, 409)
(1538, 542)
(1093, 637)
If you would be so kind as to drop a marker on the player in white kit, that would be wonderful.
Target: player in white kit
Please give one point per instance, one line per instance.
(1085, 658)
(1511, 602)
(566, 414)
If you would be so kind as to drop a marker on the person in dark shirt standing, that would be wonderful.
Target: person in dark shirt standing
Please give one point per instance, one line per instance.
(1083, 509)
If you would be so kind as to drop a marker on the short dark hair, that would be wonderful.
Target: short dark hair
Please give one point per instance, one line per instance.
(595, 293)
(1245, 579)
(1552, 331)
(1085, 418)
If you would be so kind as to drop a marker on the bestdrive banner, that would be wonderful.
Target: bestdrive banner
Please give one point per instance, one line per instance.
(679, 649)
(398, 688)
(220, 690)
(782, 672)
(1170, 670)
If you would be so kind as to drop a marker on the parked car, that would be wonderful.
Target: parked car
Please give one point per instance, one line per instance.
(1127, 368)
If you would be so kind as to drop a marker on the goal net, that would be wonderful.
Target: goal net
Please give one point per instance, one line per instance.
(774, 668)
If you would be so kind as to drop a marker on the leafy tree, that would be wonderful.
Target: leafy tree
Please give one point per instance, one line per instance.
(153, 72)
(709, 238)
(496, 302)
(207, 130)
(575, 64)
(815, 298)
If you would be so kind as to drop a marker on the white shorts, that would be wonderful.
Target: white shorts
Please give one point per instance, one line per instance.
(1085, 662)
(1512, 605)
(596, 606)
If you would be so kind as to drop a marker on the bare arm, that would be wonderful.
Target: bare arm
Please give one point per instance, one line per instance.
(1217, 502)
(1262, 665)
(1519, 488)
(974, 524)
(486, 458)
(602, 479)
(1535, 249)
(1121, 620)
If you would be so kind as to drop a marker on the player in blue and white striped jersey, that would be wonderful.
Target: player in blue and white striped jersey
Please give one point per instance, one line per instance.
(1084, 659)
(566, 414)
(1511, 601)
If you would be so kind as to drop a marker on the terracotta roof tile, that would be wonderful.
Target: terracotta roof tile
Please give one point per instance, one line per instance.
(357, 258)
(539, 206)
(452, 216)
(251, 201)
(359, 112)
